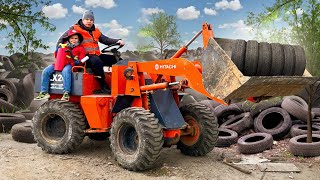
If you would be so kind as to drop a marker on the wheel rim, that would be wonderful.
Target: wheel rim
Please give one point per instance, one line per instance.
(53, 127)
(190, 140)
(128, 139)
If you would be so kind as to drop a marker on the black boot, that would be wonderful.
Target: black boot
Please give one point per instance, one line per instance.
(104, 87)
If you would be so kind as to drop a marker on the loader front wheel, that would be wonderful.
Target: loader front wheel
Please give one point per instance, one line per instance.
(136, 139)
(205, 130)
(58, 126)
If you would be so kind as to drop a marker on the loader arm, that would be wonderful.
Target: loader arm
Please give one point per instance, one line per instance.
(175, 67)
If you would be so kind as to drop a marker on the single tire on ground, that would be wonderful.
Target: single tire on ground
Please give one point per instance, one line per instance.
(136, 138)
(251, 58)
(299, 129)
(277, 59)
(238, 53)
(300, 61)
(58, 126)
(264, 60)
(226, 137)
(22, 132)
(298, 146)
(289, 60)
(7, 120)
(275, 121)
(254, 143)
(206, 132)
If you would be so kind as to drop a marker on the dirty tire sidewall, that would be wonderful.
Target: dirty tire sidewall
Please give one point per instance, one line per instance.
(7, 95)
(10, 86)
(22, 132)
(208, 127)
(226, 141)
(264, 60)
(141, 125)
(264, 141)
(299, 148)
(7, 120)
(277, 59)
(251, 58)
(238, 53)
(53, 117)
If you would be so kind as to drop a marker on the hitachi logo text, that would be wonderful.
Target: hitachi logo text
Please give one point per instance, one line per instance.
(165, 66)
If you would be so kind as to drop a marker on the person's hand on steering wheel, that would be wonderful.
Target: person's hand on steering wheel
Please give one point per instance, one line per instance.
(121, 42)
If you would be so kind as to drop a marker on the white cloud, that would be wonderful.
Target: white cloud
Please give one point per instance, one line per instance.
(188, 13)
(210, 11)
(78, 9)
(147, 12)
(224, 4)
(107, 4)
(116, 30)
(55, 11)
(238, 27)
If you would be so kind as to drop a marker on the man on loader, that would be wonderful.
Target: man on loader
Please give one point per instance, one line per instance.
(92, 35)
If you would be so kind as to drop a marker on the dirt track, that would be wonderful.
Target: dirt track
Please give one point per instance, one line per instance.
(93, 160)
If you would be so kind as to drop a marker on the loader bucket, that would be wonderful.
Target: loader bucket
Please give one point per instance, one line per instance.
(222, 78)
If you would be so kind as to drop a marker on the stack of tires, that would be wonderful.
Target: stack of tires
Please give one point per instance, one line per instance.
(268, 59)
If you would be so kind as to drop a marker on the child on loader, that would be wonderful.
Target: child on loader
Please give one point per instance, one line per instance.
(66, 57)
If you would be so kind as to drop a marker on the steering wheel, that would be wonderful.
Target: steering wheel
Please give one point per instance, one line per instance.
(107, 49)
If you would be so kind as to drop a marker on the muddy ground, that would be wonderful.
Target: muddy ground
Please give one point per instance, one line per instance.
(93, 160)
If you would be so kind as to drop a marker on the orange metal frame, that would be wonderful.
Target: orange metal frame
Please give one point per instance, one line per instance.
(162, 72)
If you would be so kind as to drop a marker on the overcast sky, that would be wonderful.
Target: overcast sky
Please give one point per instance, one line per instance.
(123, 18)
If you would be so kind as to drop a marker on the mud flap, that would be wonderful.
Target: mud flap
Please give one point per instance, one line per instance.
(222, 79)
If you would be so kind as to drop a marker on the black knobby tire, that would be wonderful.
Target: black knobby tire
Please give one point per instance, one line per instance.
(226, 137)
(7, 120)
(289, 60)
(300, 61)
(298, 146)
(275, 121)
(239, 123)
(206, 133)
(299, 129)
(251, 58)
(22, 132)
(238, 53)
(136, 138)
(264, 60)
(187, 99)
(277, 60)
(6, 95)
(254, 143)
(4, 83)
(58, 126)
(265, 104)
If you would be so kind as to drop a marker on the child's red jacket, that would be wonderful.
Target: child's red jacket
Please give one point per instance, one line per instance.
(64, 58)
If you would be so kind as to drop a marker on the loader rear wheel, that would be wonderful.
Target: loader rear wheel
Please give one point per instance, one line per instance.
(205, 126)
(136, 139)
(58, 126)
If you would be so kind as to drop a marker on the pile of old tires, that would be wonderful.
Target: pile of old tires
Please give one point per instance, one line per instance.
(265, 59)
(16, 100)
(255, 126)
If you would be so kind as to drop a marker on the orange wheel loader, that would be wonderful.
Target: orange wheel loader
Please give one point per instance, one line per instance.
(142, 113)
